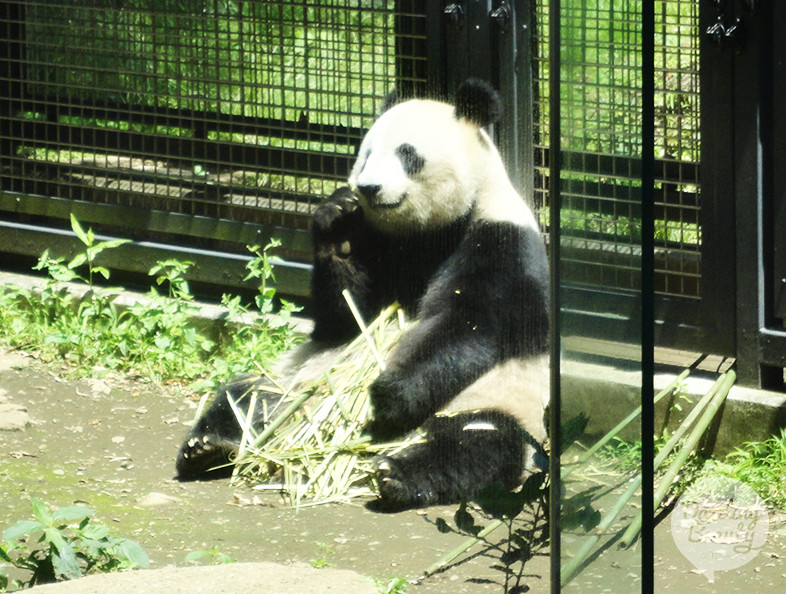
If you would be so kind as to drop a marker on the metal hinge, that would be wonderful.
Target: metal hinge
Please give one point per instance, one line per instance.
(727, 28)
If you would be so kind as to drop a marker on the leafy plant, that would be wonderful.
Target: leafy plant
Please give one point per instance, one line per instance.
(321, 561)
(214, 556)
(62, 272)
(761, 465)
(261, 268)
(525, 515)
(63, 544)
(155, 338)
(392, 586)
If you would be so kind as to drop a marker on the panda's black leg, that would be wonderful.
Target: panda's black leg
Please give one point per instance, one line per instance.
(215, 437)
(462, 454)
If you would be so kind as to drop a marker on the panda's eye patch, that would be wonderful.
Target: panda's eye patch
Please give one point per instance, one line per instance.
(411, 161)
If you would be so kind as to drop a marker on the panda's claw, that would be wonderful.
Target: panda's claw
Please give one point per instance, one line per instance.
(200, 454)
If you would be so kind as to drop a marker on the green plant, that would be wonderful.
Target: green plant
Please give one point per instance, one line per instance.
(173, 272)
(61, 271)
(321, 561)
(214, 556)
(525, 515)
(155, 338)
(261, 268)
(392, 586)
(63, 544)
(625, 455)
(761, 465)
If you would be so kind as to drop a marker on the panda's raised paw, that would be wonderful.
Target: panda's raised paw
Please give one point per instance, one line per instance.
(337, 216)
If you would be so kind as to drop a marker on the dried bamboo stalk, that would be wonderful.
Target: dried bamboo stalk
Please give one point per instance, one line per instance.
(316, 445)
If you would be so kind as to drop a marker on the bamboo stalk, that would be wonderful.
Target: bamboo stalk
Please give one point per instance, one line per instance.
(572, 566)
(245, 423)
(317, 446)
(709, 404)
(624, 423)
(363, 329)
(279, 420)
(690, 444)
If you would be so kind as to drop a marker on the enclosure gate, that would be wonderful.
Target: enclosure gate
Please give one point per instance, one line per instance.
(199, 127)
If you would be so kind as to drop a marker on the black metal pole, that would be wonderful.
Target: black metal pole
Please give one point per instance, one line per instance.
(647, 292)
(555, 201)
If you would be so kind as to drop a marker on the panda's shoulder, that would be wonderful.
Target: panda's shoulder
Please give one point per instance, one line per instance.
(505, 205)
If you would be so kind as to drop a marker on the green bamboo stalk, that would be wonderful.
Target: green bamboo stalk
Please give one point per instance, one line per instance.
(688, 421)
(572, 566)
(635, 525)
(690, 444)
(625, 422)
(279, 420)
(711, 401)
(448, 557)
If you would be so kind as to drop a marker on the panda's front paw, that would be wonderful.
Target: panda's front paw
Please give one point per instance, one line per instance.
(336, 219)
(392, 417)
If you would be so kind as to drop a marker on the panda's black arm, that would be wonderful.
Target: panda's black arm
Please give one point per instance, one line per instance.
(487, 304)
(342, 252)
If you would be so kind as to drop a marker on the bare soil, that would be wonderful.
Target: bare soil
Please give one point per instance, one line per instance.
(110, 444)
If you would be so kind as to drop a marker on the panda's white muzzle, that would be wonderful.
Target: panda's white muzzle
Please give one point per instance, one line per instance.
(373, 197)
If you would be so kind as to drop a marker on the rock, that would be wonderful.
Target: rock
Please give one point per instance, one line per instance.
(237, 578)
(13, 417)
(154, 499)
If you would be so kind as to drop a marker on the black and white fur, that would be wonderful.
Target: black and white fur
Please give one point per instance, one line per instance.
(433, 222)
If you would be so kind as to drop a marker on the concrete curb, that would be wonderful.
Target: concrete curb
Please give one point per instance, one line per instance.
(747, 415)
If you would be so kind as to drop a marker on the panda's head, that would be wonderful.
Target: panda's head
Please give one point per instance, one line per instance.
(424, 163)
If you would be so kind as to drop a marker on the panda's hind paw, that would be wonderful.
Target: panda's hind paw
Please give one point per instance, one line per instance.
(204, 456)
(396, 491)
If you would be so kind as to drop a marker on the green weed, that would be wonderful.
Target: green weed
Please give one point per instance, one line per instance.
(63, 544)
(525, 515)
(214, 557)
(154, 338)
(321, 561)
(392, 586)
(761, 465)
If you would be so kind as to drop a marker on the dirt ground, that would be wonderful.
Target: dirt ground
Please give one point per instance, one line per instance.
(110, 444)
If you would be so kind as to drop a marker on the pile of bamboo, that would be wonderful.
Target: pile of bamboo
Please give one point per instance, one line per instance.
(315, 449)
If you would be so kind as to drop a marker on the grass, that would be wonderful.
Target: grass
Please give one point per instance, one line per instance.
(761, 465)
(154, 338)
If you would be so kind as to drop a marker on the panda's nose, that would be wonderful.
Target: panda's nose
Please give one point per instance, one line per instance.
(369, 193)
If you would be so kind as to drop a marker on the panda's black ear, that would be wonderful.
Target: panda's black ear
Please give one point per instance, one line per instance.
(478, 102)
(392, 98)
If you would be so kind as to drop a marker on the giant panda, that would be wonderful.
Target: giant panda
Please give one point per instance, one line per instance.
(430, 220)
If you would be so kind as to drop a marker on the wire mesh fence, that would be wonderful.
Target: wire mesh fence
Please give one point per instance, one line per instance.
(250, 111)
(601, 111)
(236, 110)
